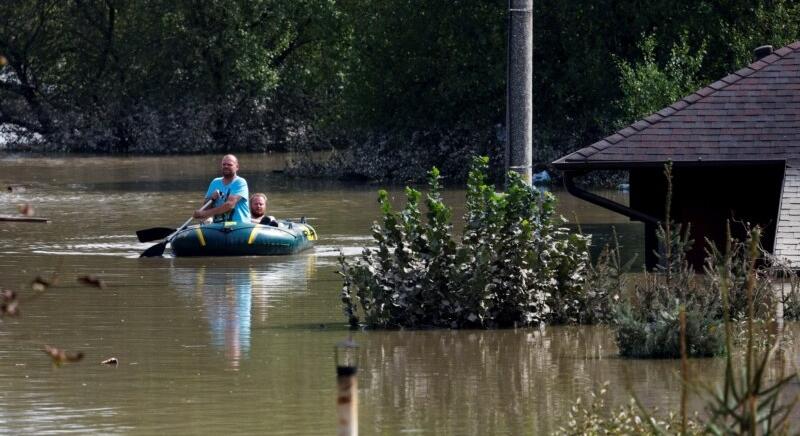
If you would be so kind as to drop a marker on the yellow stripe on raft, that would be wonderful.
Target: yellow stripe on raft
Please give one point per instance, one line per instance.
(253, 234)
(200, 236)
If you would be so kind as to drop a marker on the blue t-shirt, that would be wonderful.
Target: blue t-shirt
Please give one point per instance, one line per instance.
(241, 212)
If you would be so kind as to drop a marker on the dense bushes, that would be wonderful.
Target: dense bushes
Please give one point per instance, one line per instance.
(514, 265)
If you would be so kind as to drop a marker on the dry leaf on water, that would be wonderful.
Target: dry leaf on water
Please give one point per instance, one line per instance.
(90, 280)
(10, 308)
(40, 284)
(60, 357)
(9, 305)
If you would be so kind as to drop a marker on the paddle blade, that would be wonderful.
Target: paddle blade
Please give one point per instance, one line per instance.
(155, 251)
(153, 234)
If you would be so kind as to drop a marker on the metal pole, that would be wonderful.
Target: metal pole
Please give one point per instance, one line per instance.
(347, 400)
(519, 98)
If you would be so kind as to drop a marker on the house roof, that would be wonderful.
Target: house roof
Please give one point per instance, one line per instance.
(752, 115)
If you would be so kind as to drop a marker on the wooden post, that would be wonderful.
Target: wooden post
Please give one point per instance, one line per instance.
(346, 356)
(347, 400)
(519, 98)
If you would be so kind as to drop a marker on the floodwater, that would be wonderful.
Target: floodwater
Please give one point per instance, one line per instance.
(246, 345)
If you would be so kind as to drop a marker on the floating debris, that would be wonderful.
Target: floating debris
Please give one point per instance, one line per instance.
(8, 295)
(10, 308)
(9, 305)
(40, 284)
(61, 357)
(90, 280)
(15, 188)
(111, 361)
(26, 209)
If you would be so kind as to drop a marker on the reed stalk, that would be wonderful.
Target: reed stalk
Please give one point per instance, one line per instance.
(684, 370)
(667, 223)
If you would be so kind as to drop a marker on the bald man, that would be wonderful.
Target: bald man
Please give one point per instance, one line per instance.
(230, 195)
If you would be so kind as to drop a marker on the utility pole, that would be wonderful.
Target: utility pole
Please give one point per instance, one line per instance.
(519, 89)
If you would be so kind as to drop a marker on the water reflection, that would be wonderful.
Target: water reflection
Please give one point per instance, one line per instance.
(233, 296)
(509, 381)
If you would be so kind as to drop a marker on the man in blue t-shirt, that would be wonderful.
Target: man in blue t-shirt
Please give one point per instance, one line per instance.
(230, 195)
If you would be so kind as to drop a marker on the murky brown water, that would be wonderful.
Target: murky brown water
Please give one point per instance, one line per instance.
(245, 345)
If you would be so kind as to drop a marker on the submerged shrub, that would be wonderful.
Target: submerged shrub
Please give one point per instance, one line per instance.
(597, 418)
(605, 282)
(647, 321)
(791, 301)
(513, 262)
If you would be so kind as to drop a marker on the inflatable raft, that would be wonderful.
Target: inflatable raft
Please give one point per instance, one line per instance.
(240, 239)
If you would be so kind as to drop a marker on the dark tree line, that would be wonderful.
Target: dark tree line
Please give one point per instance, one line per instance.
(160, 75)
(169, 76)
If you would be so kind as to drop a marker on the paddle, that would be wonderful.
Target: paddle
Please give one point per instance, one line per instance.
(153, 234)
(158, 249)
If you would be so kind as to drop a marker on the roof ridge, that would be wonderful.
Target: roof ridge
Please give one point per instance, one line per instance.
(687, 101)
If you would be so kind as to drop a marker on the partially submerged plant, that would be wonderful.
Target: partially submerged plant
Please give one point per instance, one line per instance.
(647, 321)
(596, 418)
(747, 403)
(513, 262)
(604, 286)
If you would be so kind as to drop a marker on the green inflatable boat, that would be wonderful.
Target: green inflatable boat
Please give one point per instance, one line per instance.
(240, 239)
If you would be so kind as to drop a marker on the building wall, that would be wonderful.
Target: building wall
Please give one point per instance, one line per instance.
(706, 197)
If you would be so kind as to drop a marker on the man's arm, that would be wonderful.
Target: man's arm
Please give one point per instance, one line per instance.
(229, 204)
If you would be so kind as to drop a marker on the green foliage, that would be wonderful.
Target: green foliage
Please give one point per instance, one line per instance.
(790, 299)
(596, 419)
(656, 334)
(647, 87)
(647, 322)
(182, 76)
(115, 76)
(759, 22)
(512, 263)
(748, 402)
(732, 267)
(604, 285)
(420, 65)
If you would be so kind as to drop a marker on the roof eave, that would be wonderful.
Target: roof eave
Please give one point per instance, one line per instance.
(574, 165)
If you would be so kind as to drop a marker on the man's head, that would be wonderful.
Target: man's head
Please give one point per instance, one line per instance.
(230, 166)
(258, 204)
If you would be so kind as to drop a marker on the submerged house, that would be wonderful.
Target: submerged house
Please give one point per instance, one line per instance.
(735, 148)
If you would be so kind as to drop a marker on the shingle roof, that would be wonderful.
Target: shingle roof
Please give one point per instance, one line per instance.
(750, 115)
